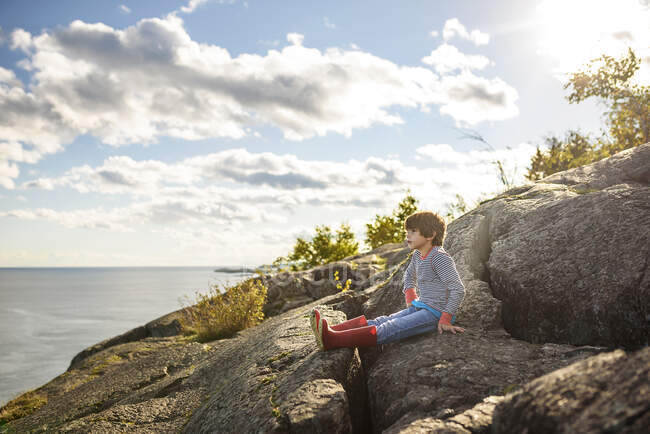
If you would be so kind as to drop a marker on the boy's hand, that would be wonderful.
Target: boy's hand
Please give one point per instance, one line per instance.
(449, 328)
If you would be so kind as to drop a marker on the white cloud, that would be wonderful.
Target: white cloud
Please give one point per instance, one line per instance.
(8, 78)
(21, 40)
(328, 23)
(295, 38)
(282, 176)
(125, 9)
(434, 33)
(447, 58)
(151, 80)
(474, 99)
(193, 189)
(464, 170)
(453, 27)
(192, 5)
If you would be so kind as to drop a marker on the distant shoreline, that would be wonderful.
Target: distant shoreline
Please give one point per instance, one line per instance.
(227, 269)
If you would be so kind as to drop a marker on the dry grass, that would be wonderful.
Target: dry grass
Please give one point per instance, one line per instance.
(217, 314)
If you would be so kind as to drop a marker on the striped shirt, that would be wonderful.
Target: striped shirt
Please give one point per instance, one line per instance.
(436, 280)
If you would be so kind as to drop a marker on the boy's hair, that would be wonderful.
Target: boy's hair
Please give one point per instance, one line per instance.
(427, 222)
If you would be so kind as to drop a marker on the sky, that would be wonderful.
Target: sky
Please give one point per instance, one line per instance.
(206, 132)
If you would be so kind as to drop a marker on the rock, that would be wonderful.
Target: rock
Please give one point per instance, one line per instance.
(430, 372)
(148, 386)
(605, 393)
(490, 246)
(478, 419)
(569, 261)
(271, 377)
(288, 290)
(166, 325)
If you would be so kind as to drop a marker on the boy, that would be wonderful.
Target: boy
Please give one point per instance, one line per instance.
(434, 273)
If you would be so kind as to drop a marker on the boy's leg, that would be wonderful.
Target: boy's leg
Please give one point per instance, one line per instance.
(382, 319)
(404, 326)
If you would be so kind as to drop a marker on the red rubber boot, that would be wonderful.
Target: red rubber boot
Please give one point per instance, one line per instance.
(314, 319)
(353, 323)
(358, 337)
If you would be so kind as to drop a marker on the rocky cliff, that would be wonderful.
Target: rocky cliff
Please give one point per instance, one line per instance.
(557, 313)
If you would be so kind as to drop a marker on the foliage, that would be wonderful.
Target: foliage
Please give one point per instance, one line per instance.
(390, 228)
(323, 248)
(628, 118)
(574, 151)
(216, 314)
(22, 406)
(339, 285)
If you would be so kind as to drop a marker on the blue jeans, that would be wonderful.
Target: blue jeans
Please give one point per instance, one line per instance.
(403, 324)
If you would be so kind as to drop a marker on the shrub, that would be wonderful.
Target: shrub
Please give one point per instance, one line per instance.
(390, 228)
(217, 314)
(324, 247)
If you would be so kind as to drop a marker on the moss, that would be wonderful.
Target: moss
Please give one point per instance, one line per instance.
(275, 408)
(582, 190)
(100, 369)
(267, 380)
(509, 388)
(279, 356)
(22, 406)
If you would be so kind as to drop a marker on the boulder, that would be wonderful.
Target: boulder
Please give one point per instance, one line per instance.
(288, 290)
(430, 373)
(568, 255)
(410, 382)
(606, 393)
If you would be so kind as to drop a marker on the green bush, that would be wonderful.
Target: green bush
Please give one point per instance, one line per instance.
(390, 228)
(217, 314)
(324, 247)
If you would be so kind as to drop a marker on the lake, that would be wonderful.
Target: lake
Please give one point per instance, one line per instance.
(48, 315)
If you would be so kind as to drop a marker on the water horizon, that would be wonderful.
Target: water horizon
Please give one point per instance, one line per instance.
(50, 314)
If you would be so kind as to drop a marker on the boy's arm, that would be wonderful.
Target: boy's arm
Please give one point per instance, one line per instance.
(446, 268)
(409, 283)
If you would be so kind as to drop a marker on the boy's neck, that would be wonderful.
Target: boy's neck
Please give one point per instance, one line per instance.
(425, 250)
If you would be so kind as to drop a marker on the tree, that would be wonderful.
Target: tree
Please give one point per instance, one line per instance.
(628, 118)
(323, 248)
(390, 228)
(574, 151)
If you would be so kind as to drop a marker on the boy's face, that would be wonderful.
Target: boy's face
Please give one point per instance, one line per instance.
(415, 240)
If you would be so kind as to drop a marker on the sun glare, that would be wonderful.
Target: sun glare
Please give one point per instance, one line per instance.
(574, 32)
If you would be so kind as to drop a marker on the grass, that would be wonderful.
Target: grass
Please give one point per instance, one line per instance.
(22, 406)
(217, 314)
